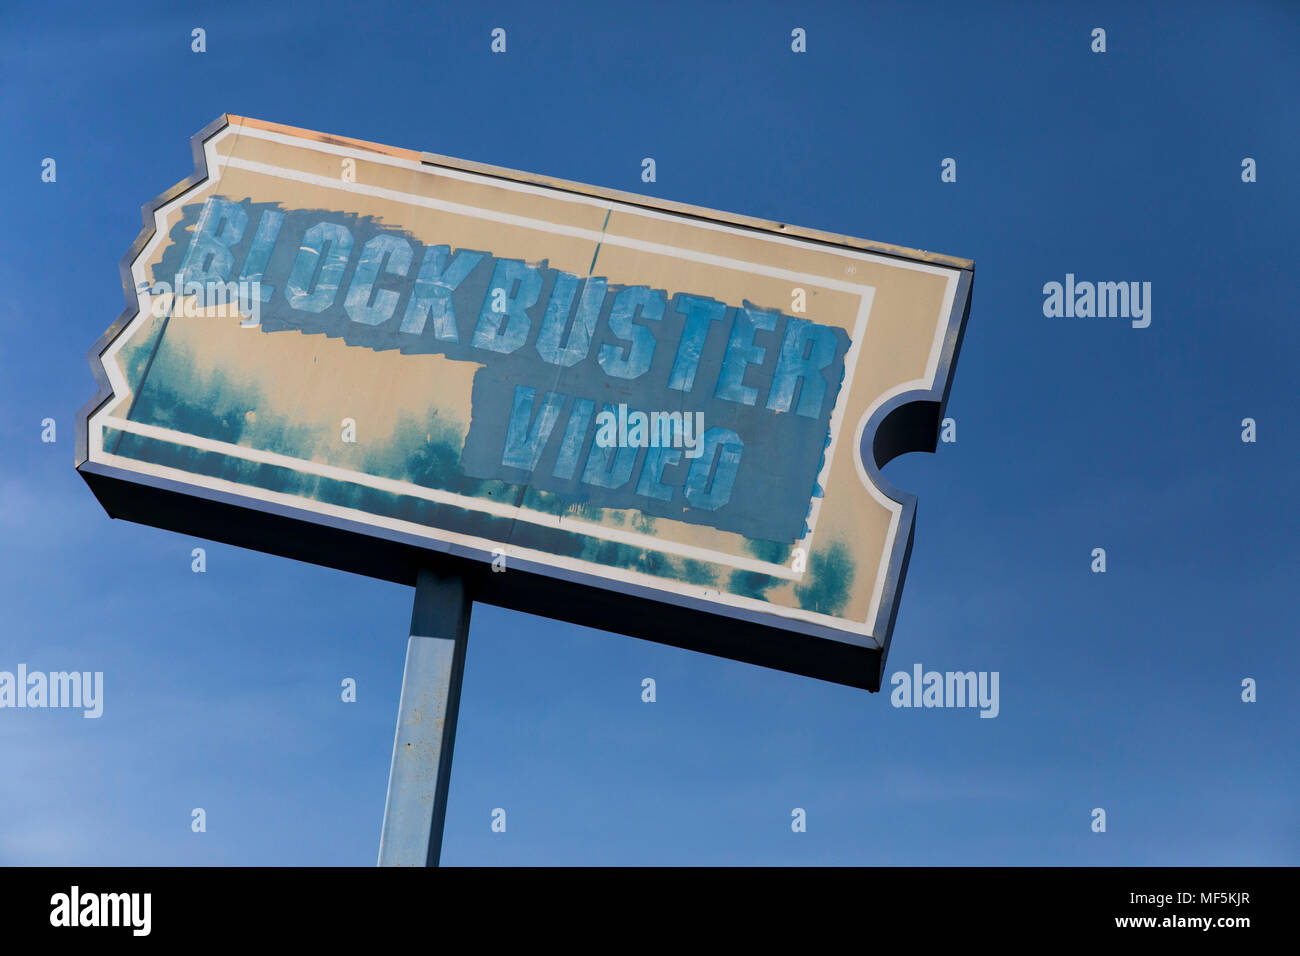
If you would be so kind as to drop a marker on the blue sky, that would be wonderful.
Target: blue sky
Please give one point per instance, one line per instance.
(1119, 691)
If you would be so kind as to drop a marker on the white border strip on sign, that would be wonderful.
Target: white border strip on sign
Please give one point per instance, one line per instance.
(393, 486)
(651, 581)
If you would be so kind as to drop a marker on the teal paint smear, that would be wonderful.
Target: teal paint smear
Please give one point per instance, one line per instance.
(416, 510)
(818, 491)
(134, 355)
(830, 575)
(545, 501)
(428, 454)
(698, 572)
(178, 396)
(643, 523)
(755, 584)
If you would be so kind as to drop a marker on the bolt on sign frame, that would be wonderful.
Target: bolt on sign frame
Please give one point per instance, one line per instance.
(656, 419)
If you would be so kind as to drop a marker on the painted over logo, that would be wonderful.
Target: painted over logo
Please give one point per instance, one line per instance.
(552, 350)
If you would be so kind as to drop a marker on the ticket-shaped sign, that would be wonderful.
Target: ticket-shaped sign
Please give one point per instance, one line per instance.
(655, 419)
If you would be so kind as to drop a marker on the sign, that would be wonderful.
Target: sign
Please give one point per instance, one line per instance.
(609, 409)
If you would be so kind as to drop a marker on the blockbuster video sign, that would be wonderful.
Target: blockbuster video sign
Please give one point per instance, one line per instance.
(623, 412)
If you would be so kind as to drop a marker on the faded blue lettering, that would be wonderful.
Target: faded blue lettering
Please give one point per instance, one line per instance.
(333, 262)
(741, 353)
(549, 338)
(566, 463)
(358, 302)
(209, 259)
(524, 444)
(609, 467)
(725, 446)
(700, 314)
(259, 254)
(432, 296)
(505, 331)
(802, 336)
(650, 484)
(634, 360)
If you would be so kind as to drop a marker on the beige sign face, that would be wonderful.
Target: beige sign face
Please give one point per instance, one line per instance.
(604, 390)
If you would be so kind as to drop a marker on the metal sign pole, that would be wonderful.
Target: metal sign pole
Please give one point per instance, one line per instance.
(426, 723)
